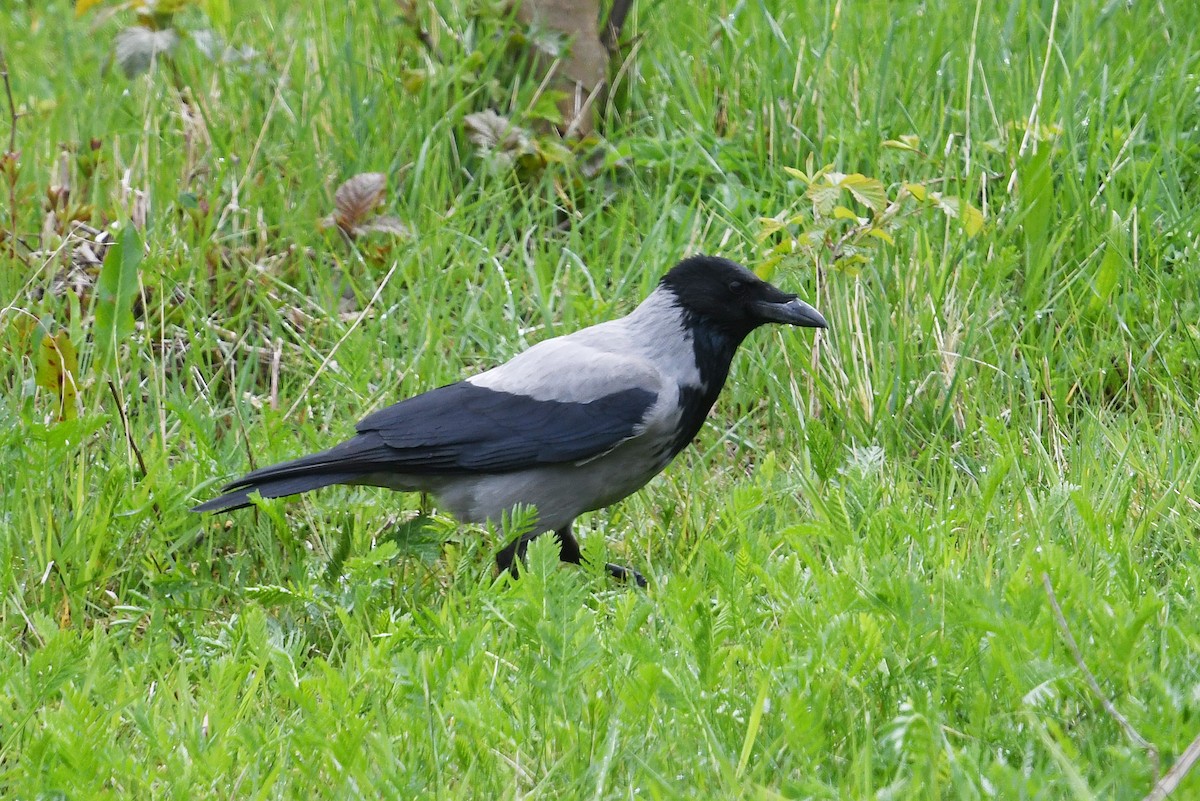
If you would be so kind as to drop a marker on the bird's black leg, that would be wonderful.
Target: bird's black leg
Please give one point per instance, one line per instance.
(568, 551)
(514, 552)
(509, 555)
(568, 546)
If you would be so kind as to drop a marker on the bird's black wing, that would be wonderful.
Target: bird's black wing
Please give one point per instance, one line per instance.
(459, 429)
(464, 428)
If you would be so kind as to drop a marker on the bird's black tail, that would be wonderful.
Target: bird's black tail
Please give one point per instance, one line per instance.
(238, 494)
(346, 463)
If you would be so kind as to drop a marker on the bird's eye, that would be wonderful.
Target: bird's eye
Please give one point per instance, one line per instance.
(736, 287)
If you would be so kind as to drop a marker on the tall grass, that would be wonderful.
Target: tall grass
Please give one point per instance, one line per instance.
(846, 570)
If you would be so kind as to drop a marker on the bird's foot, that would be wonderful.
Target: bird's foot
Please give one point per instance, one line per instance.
(625, 574)
(513, 554)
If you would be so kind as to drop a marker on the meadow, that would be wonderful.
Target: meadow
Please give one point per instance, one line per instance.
(894, 564)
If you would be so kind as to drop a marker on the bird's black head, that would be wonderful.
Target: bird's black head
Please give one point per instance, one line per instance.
(726, 296)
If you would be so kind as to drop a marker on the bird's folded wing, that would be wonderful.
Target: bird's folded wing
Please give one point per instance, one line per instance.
(465, 428)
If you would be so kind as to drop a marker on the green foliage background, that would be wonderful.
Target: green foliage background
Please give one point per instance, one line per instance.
(847, 596)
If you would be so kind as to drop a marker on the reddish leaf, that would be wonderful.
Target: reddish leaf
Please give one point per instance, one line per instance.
(356, 199)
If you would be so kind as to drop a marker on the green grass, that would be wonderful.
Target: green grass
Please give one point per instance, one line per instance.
(847, 596)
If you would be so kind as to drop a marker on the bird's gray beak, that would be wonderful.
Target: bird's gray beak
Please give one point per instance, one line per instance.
(791, 312)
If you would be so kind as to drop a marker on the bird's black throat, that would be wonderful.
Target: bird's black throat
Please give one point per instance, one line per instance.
(713, 350)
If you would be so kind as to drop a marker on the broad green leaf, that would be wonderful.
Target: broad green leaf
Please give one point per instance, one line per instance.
(57, 371)
(1116, 257)
(801, 174)
(1036, 192)
(553, 151)
(824, 197)
(115, 291)
(768, 226)
(879, 233)
(959, 209)
(768, 265)
(850, 263)
(810, 174)
(843, 213)
(909, 142)
(972, 219)
(766, 269)
(918, 191)
(546, 107)
(868, 191)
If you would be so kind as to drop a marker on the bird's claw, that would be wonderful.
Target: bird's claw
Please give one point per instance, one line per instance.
(625, 574)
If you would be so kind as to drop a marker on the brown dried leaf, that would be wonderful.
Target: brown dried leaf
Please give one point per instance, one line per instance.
(384, 224)
(357, 198)
(491, 131)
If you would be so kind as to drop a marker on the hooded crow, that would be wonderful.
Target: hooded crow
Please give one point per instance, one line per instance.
(572, 424)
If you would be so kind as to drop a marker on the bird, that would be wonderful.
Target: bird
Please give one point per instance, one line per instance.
(573, 424)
